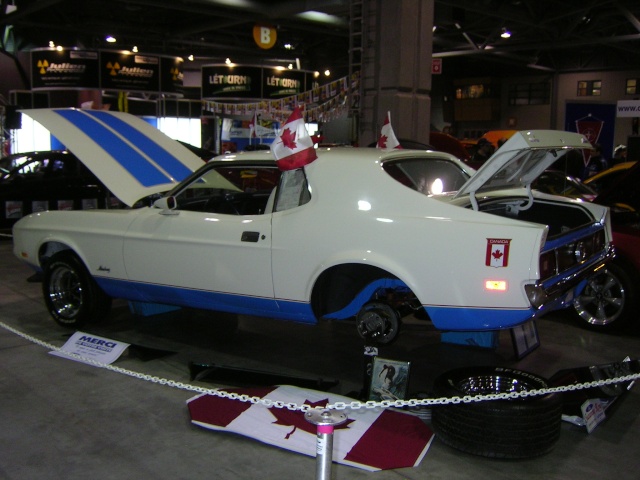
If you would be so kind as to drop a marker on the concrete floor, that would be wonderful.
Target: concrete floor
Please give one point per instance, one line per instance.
(61, 419)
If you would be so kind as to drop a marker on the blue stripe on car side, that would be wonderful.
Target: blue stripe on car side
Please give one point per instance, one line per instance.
(479, 319)
(225, 302)
(131, 160)
(166, 160)
(364, 296)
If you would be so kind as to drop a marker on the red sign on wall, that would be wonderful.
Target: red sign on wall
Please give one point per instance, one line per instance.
(436, 66)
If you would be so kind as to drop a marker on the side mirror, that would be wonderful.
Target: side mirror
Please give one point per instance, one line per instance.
(167, 205)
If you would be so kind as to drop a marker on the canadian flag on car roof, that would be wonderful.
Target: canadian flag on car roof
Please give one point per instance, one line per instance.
(293, 147)
(371, 439)
(388, 140)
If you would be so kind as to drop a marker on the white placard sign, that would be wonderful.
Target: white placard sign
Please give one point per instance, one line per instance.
(92, 347)
(593, 413)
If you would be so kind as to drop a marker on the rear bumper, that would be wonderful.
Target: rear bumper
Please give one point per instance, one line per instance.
(546, 297)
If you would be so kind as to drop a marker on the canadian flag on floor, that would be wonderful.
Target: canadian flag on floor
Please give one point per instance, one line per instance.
(371, 439)
(387, 140)
(293, 147)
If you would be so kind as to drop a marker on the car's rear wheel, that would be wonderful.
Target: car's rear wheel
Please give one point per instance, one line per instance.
(512, 428)
(72, 297)
(610, 300)
(379, 322)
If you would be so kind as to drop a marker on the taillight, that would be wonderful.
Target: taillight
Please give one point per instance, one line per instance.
(564, 257)
(548, 264)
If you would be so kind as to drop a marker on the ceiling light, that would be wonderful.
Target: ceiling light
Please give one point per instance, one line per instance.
(59, 48)
(135, 49)
(327, 72)
(320, 17)
(52, 44)
(505, 33)
(190, 57)
(290, 67)
(110, 39)
(228, 61)
(288, 46)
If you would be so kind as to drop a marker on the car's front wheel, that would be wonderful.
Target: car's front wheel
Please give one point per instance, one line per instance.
(609, 302)
(72, 297)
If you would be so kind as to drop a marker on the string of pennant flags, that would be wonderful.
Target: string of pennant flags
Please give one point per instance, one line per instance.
(322, 104)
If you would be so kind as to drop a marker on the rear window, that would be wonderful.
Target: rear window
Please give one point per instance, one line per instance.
(431, 176)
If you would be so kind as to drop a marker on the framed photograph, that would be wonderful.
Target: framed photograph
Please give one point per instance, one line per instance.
(389, 379)
(525, 338)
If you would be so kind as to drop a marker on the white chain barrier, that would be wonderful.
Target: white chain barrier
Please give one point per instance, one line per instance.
(354, 405)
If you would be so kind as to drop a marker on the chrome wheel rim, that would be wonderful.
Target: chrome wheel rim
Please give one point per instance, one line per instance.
(65, 292)
(602, 300)
(493, 384)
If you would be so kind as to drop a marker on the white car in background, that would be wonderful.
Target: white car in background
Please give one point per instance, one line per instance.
(359, 233)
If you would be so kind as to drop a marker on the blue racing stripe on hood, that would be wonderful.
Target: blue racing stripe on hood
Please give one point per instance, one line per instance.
(159, 155)
(131, 160)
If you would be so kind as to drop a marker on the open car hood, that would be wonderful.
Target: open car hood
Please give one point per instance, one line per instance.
(130, 156)
(522, 159)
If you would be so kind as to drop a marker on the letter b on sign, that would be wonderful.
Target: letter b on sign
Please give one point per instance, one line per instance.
(264, 36)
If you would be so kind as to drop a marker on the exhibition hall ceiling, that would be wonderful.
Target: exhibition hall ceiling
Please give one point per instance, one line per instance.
(546, 35)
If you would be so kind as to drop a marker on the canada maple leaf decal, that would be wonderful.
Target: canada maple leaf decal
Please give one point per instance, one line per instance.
(382, 141)
(497, 254)
(295, 418)
(288, 138)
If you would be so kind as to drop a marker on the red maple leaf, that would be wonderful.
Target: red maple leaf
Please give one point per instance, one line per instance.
(382, 141)
(288, 138)
(497, 254)
(295, 418)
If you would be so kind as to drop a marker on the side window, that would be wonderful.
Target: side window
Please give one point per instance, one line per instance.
(27, 168)
(229, 190)
(293, 190)
(431, 176)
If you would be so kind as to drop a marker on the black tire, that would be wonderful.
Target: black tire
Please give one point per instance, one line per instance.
(610, 301)
(71, 295)
(509, 429)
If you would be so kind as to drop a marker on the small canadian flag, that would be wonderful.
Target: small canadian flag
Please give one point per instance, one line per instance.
(387, 140)
(293, 147)
(497, 252)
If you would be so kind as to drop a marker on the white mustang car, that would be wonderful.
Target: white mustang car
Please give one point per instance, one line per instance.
(359, 233)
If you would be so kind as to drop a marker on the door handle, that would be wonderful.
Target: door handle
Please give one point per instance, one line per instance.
(250, 236)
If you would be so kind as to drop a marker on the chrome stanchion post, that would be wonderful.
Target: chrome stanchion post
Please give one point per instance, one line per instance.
(325, 420)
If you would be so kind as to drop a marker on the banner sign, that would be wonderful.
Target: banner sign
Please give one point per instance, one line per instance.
(282, 83)
(69, 69)
(105, 70)
(628, 108)
(130, 72)
(222, 81)
(171, 75)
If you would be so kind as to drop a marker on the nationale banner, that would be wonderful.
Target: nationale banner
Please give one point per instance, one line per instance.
(370, 439)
